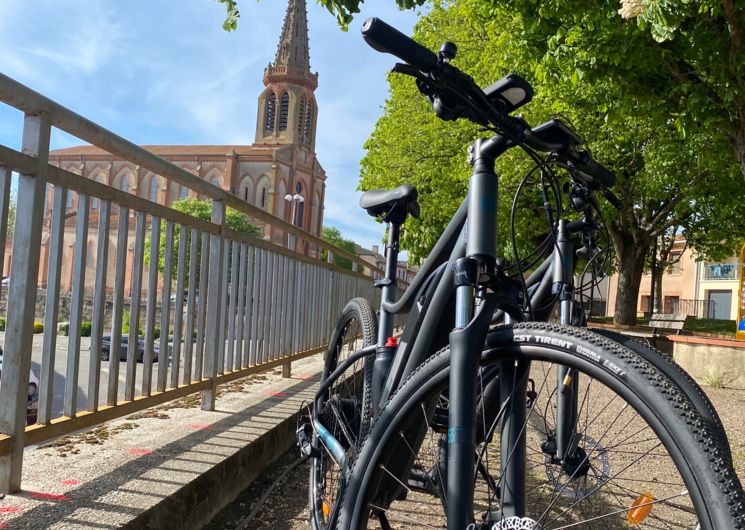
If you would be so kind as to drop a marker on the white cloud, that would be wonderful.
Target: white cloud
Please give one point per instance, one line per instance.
(165, 72)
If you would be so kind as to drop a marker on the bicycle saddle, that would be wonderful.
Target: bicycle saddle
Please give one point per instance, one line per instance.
(391, 205)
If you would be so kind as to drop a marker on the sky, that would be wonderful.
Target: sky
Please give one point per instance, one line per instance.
(165, 72)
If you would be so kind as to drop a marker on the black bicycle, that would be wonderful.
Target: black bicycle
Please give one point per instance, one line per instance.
(638, 452)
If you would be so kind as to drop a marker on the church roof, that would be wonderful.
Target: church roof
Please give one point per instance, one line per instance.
(292, 50)
(191, 150)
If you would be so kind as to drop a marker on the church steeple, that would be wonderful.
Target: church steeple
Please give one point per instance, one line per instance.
(287, 107)
(292, 50)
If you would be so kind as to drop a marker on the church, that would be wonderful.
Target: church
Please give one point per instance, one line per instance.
(281, 160)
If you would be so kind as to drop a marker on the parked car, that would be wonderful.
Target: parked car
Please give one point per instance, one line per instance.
(106, 348)
(174, 297)
(32, 405)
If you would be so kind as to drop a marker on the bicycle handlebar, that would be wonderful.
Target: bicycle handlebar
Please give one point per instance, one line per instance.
(387, 39)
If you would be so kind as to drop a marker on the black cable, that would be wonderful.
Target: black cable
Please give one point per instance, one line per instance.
(544, 167)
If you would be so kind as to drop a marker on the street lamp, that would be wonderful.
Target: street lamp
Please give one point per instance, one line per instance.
(295, 199)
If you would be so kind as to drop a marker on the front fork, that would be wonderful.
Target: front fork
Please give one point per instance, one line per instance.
(472, 274)
(567, 383)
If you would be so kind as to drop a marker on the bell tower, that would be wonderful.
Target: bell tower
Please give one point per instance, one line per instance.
(287, 107)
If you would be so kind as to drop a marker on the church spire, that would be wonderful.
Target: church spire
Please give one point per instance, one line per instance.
(292, 50)
(287, 107)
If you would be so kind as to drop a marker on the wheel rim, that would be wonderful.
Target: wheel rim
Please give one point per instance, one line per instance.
(628, 460)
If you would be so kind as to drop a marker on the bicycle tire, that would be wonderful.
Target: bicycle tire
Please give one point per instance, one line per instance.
(712, 495)
(346, 408)
(693, 391)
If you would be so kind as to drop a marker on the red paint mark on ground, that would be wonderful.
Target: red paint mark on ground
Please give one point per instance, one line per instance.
(70, 482)
(139, 451)
(4, 525)
(10, 509)
(276, 394)
(49, 496)
(304, 377)
(198, 427)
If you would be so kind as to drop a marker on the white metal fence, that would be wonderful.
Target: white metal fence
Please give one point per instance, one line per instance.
(222, 306)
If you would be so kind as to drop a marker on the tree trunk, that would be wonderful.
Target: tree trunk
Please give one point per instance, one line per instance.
(657, 295)
(631, 256)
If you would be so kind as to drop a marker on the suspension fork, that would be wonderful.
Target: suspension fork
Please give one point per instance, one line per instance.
(472, 274)
(566, 379)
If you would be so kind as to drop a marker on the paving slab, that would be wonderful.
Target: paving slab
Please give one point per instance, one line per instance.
(171, 466)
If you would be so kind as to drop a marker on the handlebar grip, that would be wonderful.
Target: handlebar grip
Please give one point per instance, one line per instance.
(387, 39)
(611, 198)
(604, 177)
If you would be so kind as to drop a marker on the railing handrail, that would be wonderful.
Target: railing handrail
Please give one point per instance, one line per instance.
(31, 102)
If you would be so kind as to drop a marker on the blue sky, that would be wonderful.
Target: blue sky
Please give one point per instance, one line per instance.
(165, 72)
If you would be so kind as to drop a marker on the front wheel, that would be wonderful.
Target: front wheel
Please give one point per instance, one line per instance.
(345, 409)
(643, 456)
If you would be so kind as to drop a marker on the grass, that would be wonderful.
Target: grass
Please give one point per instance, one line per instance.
(693, 325)
(717, 379)
(709, 325)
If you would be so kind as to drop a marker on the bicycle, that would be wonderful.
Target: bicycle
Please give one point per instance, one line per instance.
(371, 475)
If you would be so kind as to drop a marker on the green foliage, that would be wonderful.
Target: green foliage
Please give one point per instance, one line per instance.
(63, 328)
(710, 325)
(333, 236)
(2, 323)
(38, 327)
(234, 220)
(672, 171)
(232, 15)
(85, 329)
(343, 10)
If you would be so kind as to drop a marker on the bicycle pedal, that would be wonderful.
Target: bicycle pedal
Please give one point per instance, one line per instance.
(304, 436)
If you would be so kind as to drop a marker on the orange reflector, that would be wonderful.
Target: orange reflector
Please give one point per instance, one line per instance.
(327, 506)
(640, 508)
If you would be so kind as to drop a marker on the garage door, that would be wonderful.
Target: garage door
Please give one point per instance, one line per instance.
(721, 304)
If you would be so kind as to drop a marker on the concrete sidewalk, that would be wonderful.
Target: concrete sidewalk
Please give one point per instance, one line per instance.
(172, 466)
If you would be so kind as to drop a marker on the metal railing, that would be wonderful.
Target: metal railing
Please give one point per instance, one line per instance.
(249, 305)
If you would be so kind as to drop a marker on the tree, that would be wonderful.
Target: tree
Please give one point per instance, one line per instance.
(333, 235)
(201, 209)
(665, 178)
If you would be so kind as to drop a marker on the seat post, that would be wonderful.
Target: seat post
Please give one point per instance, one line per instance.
(388, 283)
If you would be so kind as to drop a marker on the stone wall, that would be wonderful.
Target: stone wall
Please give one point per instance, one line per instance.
(711, 361)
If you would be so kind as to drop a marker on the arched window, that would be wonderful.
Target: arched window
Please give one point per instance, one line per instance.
(262, 192)
(184, 193)
(94, 200)
(301, 118)
(284, 107)
(124, 184)
(269, 112)
(153, 196)
(307, 126)
(246, 189)
(300, 208)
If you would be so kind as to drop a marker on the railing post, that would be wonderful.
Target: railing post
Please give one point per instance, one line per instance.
(214, 304)
(20, 323)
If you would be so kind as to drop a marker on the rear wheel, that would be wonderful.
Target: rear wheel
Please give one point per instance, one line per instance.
(643, 457)
(344, 411)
